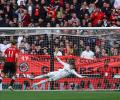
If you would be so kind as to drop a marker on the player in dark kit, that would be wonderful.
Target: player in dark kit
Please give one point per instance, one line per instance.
(10, 65)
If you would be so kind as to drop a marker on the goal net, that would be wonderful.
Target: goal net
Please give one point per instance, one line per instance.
(93, 53)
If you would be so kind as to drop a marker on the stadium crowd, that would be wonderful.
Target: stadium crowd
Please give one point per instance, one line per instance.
(59, 13)
(105, 43)
(87, 47)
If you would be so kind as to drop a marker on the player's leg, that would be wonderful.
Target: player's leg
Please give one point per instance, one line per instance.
(51, 76)
(40, 76)
(11, 83)
(44, 81)
(13, 72)
(2, 74)
(5, 70)
(0, 82)
(41, 82)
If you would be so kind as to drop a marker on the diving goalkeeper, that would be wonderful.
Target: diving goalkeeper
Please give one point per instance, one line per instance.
(56, 75)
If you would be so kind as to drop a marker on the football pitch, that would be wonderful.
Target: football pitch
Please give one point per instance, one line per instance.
(60, 95)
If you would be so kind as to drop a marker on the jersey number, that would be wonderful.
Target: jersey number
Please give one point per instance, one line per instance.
(10, 54)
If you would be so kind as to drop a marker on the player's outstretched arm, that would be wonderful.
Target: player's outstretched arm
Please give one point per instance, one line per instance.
(60, 61)
(78, 75)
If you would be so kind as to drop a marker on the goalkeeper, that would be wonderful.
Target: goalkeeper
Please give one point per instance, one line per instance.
(56, 75)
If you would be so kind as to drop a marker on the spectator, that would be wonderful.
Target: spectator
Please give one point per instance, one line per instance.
(63, 12)
(19, 40)
(25, 18)
(39, 50)
(104, 53)
(20, 2)
(91, 8)
(97, 16)
(30, 7)
(111, 52)
(115, 53)
(2, 22)
(112, 3)
(69, 49)
(88, 54)
(36, 13)
(97, 52)
(74, 19)
(4, 46)
(57, 52)
(117, 4)
(45, 51)
(106, 9)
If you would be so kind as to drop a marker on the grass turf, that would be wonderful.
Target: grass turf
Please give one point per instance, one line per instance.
(59, 95)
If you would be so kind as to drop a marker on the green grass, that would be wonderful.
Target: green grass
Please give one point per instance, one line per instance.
(59, 95)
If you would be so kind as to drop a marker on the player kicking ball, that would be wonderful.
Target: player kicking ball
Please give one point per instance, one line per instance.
(61, 73)
(9, 69)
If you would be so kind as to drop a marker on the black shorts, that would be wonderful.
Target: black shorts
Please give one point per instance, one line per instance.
(9, 68)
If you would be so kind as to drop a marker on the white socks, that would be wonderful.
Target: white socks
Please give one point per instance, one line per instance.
(41, 82)
(0, 86)
(41, 76)
(0, 83)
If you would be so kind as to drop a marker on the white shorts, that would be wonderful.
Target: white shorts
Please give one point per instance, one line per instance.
(52, 74)
(56, 75)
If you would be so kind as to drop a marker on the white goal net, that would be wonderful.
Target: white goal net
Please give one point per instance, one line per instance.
(94, 53)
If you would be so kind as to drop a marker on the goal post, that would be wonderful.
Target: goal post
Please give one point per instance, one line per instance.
(93, 52)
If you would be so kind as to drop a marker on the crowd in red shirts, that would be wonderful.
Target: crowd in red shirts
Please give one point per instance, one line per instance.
(60, 13)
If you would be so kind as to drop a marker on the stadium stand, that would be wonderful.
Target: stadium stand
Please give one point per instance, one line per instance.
(101, 65)
(59, 13)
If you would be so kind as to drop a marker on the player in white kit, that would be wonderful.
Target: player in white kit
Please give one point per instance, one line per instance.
(61, 73)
